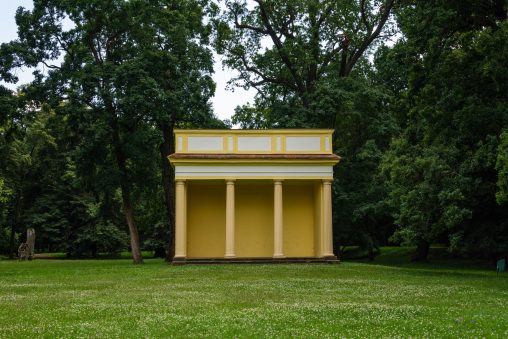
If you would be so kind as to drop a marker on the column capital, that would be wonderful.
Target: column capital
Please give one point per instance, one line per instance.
(278, 181)
(230, 181)
(180, 181)
(327, 181)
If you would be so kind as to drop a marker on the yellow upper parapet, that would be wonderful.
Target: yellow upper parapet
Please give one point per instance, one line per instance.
(274, 141)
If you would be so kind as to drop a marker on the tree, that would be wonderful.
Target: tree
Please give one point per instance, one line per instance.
(115, 56)
(441, 169)
(285, 48)
(502, 168)
(23, 137)
(308, 62)
(175, 57)
(8, 107)
(362, 134)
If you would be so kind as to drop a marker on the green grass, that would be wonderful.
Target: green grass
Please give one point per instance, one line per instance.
(113, 298)
(121, 255)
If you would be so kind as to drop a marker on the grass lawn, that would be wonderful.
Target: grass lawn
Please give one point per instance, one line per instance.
(113, 298)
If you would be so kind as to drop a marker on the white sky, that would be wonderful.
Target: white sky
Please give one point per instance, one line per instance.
(224, 101)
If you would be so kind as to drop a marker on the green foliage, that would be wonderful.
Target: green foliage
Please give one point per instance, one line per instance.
(100, 237)
(5, 193)
(249, 117)
(441, 170)
(285, 48)
(420, 124)
(121, 75)
(307, 59)
(363, 131)
(424, 191)
(502, 168)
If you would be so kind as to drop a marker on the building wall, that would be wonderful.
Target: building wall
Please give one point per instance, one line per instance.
(206, 219)
(300, 141)
(299, 219)
(254, 219)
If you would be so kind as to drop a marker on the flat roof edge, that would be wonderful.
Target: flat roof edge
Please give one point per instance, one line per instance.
(234, 156)
(254, 131)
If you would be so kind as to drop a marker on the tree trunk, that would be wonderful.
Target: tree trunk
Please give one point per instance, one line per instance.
(166, 148)
(133, 230)
(159, 252)
(343, 60)
(422, 251)
(128, 208)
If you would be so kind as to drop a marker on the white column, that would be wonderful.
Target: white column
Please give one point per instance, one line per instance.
(180, 222)
(278, 250)
(327, 219)
(230, 219)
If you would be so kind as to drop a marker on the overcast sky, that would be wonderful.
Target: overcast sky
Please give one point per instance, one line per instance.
(224, 101)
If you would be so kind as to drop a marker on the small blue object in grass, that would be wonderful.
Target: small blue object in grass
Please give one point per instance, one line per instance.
(501, 265)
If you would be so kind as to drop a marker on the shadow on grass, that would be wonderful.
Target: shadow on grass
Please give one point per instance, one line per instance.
(440, 262)
(99, 256)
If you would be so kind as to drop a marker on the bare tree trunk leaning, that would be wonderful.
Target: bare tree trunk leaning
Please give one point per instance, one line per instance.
(133, 230)
(128, 208)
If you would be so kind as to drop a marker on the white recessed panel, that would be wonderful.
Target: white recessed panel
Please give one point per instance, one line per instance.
(278, 144)
(230, 144)
(327, 144)
(254, 171)
(263, 144)
(301, 144)
(180, 143)
(205, 144)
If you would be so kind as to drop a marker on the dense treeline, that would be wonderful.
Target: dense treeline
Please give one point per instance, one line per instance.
(415, 90)
(117, 78)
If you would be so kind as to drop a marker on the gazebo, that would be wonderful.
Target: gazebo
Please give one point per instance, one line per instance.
(253, 195)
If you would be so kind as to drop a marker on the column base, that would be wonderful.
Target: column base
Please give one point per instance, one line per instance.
(279, 256)
(229, 256)
(178, 261)
(253, 261)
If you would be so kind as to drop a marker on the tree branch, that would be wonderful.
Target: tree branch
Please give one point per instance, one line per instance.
(385, 13)
(245, 26)
(363, 16)
(326, 14)
(328, 57)
(278, 44)
(284, 29)
(49, 66)
(250, 68)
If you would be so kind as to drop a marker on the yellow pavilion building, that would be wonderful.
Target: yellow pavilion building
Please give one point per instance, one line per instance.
(253, 195)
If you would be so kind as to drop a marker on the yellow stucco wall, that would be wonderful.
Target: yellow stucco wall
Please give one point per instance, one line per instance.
(278, 139)
(254, 219)
(206, 219)
(299, 218)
